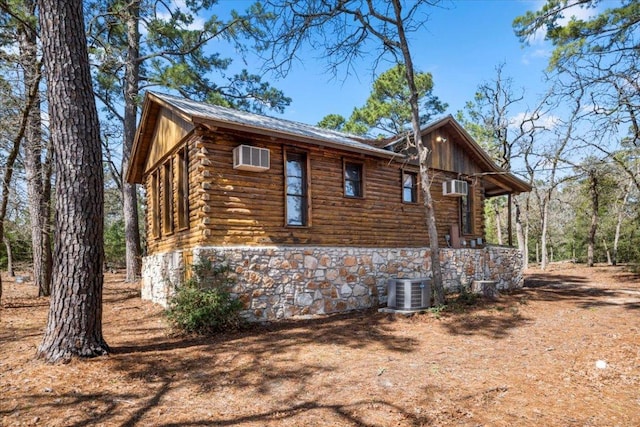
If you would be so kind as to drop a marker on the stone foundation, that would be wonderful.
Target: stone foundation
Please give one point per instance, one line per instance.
(280, 282)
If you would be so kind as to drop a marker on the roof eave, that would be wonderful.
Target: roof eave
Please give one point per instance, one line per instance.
(225, 124)
(133, 174)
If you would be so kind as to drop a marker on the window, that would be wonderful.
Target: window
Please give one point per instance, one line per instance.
(167, 198)
(296, 189)
(183, 188)
(353, 182)
(466, 212)
(409, 187)
(155, 203)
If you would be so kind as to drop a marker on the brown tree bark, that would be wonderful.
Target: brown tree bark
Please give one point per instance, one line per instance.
(7, 245)
(591, 240)
(129, 194)
(11, 159)
(36, 175)
(544, 227)
(74, 326)
(496, 211)
(521, 235)
(423, 155)
(620, 217)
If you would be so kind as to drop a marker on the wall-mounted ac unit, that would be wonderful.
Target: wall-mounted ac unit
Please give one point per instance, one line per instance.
(248, 158)
(409, 294)
(454, 187)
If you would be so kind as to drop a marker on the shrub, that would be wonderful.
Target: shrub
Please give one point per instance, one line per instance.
(466, 297)
(114, 244)
(203, 304)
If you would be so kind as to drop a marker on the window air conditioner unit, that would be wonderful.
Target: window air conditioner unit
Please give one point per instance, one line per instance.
(454, 187)
(248, 158)
(408, 294)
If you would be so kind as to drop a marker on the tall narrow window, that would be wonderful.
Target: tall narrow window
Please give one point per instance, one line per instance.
(154, 189)
(353, 183)
(183, 188)
(167, 199)
(409, 187)
(296, 192)
(466, 212)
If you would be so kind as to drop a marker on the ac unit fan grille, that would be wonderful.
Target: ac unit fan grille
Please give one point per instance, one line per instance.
(414, 298)
(454, 187)
(409, 294)
(255, 159)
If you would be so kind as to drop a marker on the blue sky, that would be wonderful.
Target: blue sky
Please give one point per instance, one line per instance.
(461, 45)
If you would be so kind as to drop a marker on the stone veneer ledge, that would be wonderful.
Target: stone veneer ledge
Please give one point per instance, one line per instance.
(280, 282)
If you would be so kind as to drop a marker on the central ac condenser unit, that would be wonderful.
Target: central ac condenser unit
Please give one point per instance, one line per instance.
(409, 294)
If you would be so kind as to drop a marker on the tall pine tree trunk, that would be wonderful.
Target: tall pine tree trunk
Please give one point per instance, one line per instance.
(10, 161)
(606, 251)
(7, 245)
(520, 235)
(47, 219)
(496, 211)
(621, 209)
(423, 155)
(35, 174)
(543, 236)
(74, 326)
(591, 240)
(129, 194)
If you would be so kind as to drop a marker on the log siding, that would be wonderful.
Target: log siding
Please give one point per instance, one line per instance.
(248, 208)
(227, 206)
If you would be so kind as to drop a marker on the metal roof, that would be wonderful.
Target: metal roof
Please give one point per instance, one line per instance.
(214, 116)
(222, 115)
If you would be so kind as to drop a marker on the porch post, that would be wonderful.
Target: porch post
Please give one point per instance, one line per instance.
(509, 219)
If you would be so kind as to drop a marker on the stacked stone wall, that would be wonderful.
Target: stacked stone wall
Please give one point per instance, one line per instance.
(280, 282)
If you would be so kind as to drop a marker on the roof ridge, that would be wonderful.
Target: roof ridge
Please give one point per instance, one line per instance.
(358, 138)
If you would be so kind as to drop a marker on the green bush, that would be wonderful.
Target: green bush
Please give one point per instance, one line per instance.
(114, 244)
(203, 304)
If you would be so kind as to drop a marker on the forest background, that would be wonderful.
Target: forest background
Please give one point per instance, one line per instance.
(574, 136)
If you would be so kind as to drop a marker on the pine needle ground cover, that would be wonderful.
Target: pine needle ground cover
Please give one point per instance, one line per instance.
(563, 351)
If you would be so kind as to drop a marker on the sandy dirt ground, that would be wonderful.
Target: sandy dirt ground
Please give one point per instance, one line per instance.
(563, 351)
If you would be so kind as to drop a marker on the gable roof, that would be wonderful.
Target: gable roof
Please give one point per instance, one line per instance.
(195, 113)
(498, 181)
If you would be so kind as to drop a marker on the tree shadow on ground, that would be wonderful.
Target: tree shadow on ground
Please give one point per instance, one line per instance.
(97, 408)
(542, 280)
(245, 360)
(30, 303)
(581, 291)
(349, 414)
(490, 318)
(359, 329)
(115, 294)
(628, 277)
(496, 319)
(270, 360)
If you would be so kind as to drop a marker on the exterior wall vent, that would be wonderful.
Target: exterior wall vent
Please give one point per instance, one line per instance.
(409, 294)
(248, 158)
(454, 187)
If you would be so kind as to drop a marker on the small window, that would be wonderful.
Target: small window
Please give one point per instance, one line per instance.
(466, 212)
(353, 180)
(409, 187)
(155, 203)
(296, 190)
(167, 198)
(183, 188)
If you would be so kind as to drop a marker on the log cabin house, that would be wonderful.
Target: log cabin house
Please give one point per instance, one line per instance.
(310, 220)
